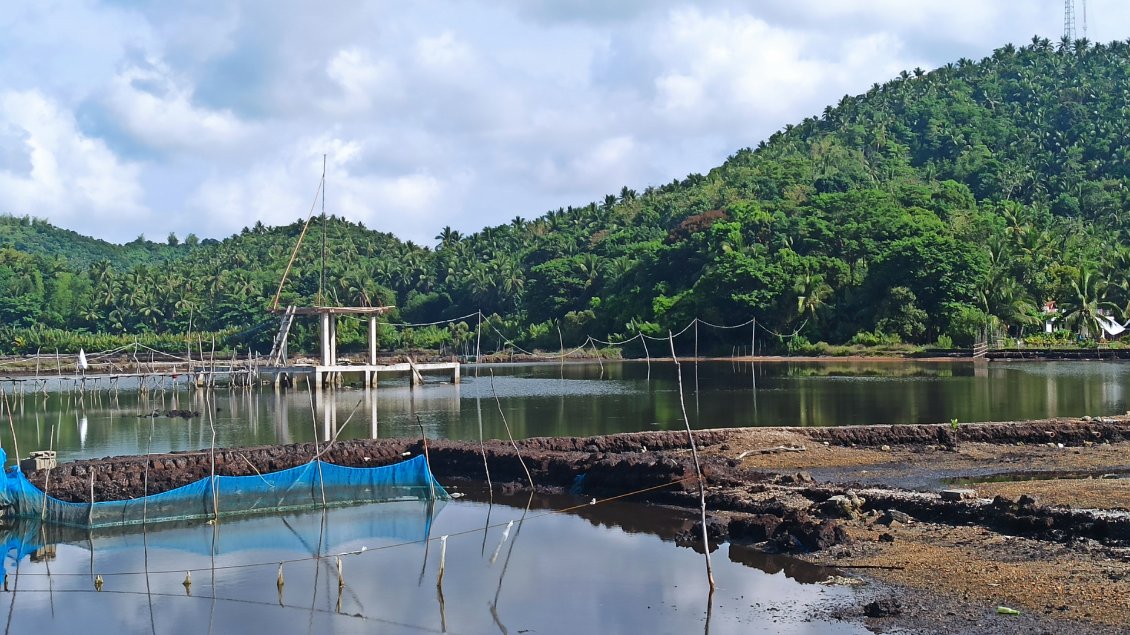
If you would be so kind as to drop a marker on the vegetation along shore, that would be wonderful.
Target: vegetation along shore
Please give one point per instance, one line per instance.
(937, 209)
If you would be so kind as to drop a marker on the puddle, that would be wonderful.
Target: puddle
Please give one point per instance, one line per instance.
(1042, 475)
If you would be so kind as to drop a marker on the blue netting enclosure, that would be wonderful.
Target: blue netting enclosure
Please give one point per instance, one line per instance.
(308, 486)
(307, 532)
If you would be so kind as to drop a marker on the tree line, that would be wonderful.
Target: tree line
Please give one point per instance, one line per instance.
(932, 209)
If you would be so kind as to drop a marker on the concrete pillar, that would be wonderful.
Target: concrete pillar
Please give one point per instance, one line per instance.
(329, 415)
(325, 333)
(455, 374)
(373, 428)
(372, 340)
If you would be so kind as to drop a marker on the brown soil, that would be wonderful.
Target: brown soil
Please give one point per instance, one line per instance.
(1053, 540)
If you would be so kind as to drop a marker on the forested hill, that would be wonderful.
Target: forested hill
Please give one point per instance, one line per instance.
(931, 207)
(38, 237)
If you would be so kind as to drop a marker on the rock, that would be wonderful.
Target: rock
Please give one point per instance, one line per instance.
(885, 537)
(888, 607)
(895, 516)
(885, 448)
(800, 478)
(1002, 502)
(1027, 501)
(847, 505)
(957, 494)
(799, 533)
(755, 528)
(717, 532)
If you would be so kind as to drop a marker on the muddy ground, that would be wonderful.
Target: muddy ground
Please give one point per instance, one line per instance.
(944, 525)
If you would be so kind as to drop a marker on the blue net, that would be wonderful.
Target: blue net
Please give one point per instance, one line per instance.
(309, 532)
(315, 484)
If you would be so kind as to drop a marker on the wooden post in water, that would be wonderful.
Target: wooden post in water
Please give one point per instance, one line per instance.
(697, 466)
(478, 341)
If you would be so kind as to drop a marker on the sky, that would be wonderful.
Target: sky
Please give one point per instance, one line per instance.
(122, 118)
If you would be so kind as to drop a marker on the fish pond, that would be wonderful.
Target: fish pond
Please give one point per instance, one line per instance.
(551, 564)
(507, 568)
(548, 399)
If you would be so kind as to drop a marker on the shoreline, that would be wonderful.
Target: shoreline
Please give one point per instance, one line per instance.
(1054, 532)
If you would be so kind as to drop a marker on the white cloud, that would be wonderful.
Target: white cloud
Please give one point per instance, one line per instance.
(435, 112)
(155, 107)
(74, 179)
(444, 54)
(280, 192)
(725, 69)
(362, 81)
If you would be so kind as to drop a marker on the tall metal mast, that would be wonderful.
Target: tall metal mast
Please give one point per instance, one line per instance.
(1069, 20)
(322, 280)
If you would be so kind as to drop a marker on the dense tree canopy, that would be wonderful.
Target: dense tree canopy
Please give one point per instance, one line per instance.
(938, 205)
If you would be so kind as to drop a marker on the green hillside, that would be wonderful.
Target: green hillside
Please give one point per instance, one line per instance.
(41, 238)
(933, 207)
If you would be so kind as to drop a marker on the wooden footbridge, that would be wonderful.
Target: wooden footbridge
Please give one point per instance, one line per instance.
(330, 370)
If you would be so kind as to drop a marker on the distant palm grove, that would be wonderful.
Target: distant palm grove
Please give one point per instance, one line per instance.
(934, 208)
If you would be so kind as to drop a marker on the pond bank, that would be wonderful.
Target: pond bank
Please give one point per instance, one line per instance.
(866, 499)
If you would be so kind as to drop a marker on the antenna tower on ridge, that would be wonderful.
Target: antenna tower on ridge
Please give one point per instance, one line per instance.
(1069, 20)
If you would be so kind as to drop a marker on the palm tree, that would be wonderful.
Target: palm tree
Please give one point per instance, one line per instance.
(1084, 308)
(811, 292)
(447, 237)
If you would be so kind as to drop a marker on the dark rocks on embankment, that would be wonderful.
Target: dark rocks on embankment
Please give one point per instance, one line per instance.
(656, 467)
(610, 464)
(1070, 432)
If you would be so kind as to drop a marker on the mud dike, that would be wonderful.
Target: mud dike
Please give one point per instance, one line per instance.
(752, 500)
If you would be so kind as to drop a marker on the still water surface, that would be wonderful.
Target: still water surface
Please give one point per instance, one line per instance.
(575, 399)
(610, 568)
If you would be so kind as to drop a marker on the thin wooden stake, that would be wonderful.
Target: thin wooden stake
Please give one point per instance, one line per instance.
(442, 559)
(317, 449)
(427, 458)
(646, 354)
(478, 341)
(483, 448)
(510, 436)
(697, 467)
(212, 461)
(561, 348)
(11, 426)
(90, 512)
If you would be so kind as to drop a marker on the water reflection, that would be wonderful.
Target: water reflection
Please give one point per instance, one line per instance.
(354, 570)
(572, 399)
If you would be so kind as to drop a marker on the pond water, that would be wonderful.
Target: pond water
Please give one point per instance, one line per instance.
(574, 399)
(607, 568)
(602, 568)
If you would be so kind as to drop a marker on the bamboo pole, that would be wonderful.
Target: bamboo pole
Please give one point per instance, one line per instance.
(427, 458)
(478, 341)
(483, 449)
(697, 466)
(47, 476)
(11, 426)
(510, 436)
(317, 449)
(90, 511)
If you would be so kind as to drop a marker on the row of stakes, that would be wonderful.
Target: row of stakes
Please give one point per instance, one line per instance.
(281, 580)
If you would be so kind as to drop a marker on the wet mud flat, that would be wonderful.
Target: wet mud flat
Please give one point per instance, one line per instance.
(943, 525)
